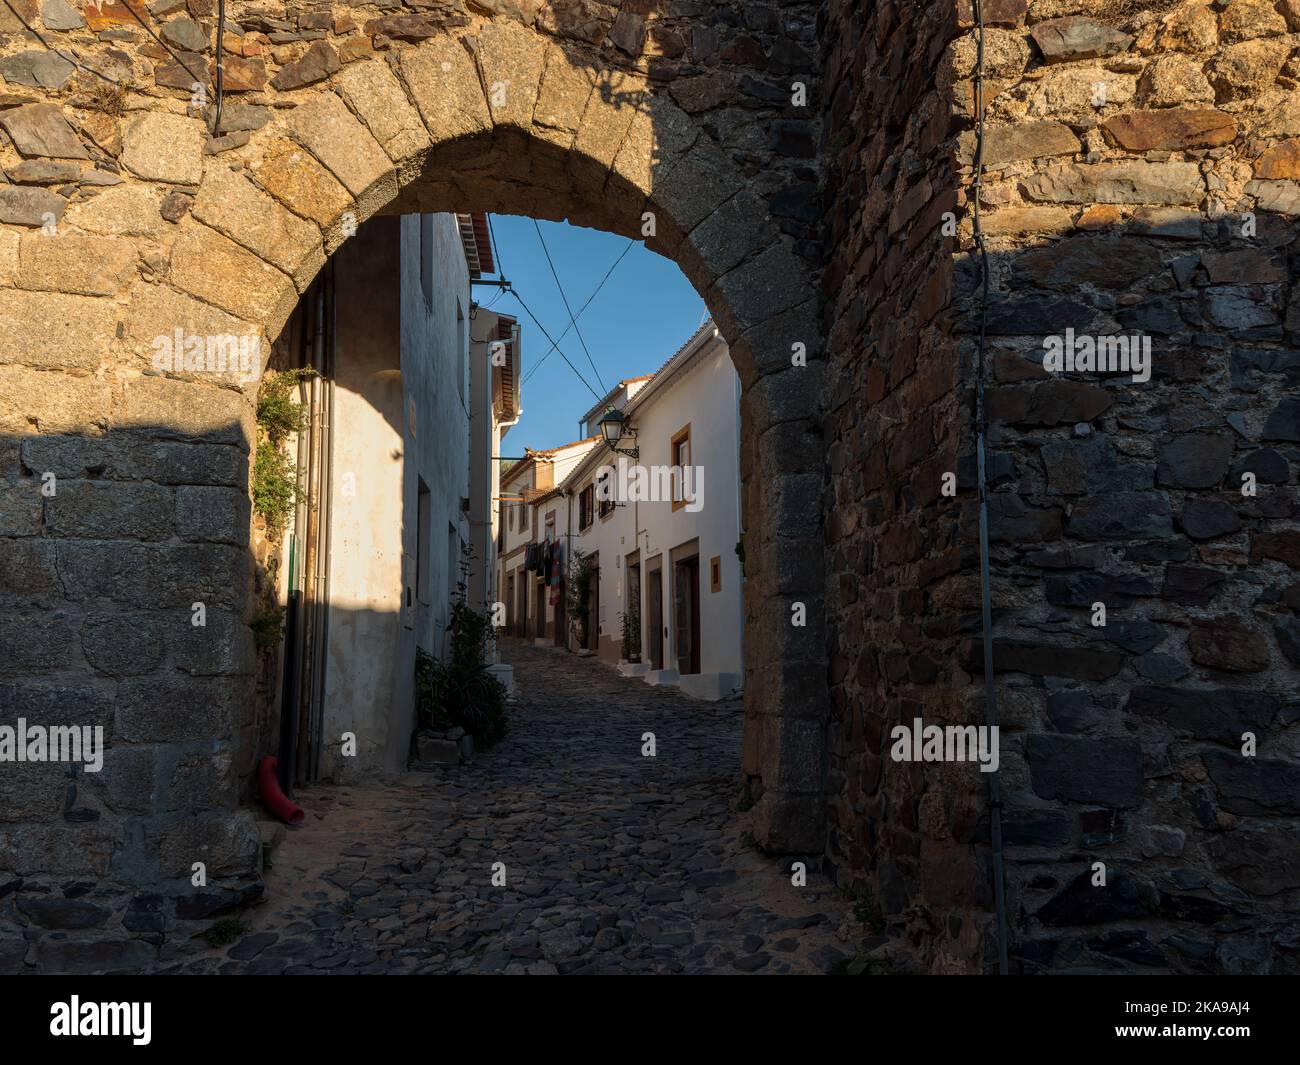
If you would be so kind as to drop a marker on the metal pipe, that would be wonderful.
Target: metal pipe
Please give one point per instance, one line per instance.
(329, 319)
(981, 429)
(289, 697)
(310, 635)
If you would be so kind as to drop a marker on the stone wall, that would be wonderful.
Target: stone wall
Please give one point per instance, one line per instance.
(1141, 180)
(123, 218)
(900, 584)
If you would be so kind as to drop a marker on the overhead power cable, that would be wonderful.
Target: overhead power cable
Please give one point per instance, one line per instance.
(572, 320)
(221, 33)
(554, 344)
(198, 78)
(60, 52)
(496, 248)
(539, 362)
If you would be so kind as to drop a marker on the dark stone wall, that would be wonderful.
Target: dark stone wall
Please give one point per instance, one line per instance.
(900, 579)
(1140, 182)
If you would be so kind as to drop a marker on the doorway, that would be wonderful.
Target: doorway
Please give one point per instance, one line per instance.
(686, 614)
(653, 639)
(635, 643)
(593, 607)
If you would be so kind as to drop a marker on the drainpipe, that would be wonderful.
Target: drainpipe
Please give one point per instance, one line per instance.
(328, 351)
(740, 531)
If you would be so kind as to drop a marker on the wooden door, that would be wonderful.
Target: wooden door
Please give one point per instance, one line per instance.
(686, 615)
(655, 619)
(593, 610)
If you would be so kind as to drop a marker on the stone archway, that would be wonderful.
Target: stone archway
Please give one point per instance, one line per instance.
(221, 236)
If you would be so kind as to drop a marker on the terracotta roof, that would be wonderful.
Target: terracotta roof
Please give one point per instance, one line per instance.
(474, 235)
(532, 455)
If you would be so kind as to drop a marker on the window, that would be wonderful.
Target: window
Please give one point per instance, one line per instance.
(426, 259)
(585, 499)
(461, 352)
(453, 559)
(550, 527)
(510, 517)
(607, 488)
(715, 573)
(679, 459)
(423, 517)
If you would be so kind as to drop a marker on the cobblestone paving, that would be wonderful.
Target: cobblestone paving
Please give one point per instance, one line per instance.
(615, 862)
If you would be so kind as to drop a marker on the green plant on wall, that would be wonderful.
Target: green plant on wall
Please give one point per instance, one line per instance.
(577, 592)
(275, 476)
(266, 626)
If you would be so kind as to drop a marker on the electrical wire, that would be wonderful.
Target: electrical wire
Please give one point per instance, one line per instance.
(537, 365)
(496, 248)
(221, 33)
(198, 78)
(981, 432)
(65, 55)
(554, 344)
(573, 321)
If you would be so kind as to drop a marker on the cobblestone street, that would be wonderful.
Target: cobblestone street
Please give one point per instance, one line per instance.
(614, 862)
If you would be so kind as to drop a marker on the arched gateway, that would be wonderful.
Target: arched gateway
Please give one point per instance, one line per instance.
(220, 236)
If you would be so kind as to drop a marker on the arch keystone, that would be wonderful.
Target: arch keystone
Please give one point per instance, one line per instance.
(562, 97)
(512, 57)
(443, 81)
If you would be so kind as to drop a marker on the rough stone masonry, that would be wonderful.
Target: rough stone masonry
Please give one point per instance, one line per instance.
(1142, 176)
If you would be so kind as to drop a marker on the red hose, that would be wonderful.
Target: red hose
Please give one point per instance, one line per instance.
(284, 808)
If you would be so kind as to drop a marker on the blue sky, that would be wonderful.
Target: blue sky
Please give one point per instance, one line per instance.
(645, 312)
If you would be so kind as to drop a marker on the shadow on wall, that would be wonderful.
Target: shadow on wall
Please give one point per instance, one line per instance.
(1146, 582)
(119, 614)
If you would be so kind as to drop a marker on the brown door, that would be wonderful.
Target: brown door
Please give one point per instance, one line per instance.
(686, 614)
(522, 617)
(510, 605)
(593, 611)
(654, 634)
(541, 610)
(634, 610)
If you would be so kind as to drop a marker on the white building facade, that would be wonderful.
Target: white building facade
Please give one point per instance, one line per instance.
(381, 542)
(660, 527)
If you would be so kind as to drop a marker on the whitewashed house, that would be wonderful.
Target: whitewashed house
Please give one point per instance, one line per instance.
(495, 406)
(524, 529)
(656, 511)
(376, 551)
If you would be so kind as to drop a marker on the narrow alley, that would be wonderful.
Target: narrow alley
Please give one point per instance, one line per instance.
(614, 862)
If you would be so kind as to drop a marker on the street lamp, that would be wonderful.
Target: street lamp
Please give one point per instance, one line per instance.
(614, 427)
